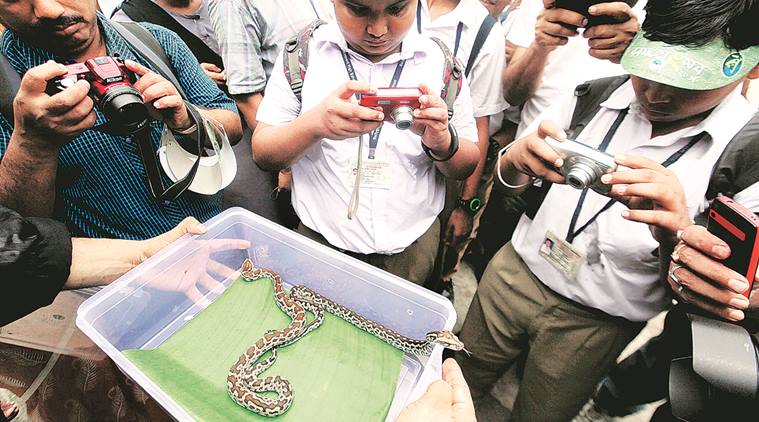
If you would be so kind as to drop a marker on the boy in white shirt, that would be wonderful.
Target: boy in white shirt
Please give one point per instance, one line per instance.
(322, 138)
(582, 274)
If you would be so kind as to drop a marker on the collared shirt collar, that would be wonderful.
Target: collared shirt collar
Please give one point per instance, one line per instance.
(713, 124)
(413, 45)
(461, 13)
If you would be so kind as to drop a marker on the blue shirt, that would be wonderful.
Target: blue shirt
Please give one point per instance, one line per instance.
(102, 188)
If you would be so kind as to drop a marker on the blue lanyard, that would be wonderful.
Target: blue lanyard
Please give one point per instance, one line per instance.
(572, 233)
(375, 134)
(313, 6)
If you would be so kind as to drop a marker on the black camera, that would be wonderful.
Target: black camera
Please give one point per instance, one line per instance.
(112, 90)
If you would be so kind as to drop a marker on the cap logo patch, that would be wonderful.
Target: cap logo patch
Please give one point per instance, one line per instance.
(732, 65)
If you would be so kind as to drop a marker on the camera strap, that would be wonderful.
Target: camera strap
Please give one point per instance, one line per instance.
(375, 134)
(152, 169)
(572, 233)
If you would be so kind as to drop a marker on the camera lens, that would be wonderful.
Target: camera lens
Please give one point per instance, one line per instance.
(581, 176)
(123, 106)
(403, 117)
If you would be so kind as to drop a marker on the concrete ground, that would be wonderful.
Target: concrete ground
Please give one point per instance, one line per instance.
(465, 285)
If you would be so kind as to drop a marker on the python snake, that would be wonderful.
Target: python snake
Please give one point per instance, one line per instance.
(243, 382)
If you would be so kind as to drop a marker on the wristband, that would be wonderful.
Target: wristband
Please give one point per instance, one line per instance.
(452, 149)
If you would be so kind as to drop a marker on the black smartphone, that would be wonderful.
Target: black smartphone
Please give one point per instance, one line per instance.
(582, 6)
(739, 228)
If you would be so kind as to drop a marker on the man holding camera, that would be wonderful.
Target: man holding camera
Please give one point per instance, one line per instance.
(581, 275)
(59, 156)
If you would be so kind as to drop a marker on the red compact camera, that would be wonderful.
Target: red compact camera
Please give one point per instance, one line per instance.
(739, 228)
(110, 88)
(397, 104)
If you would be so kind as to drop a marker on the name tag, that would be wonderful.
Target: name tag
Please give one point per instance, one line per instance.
(375, 174)
(561, 255)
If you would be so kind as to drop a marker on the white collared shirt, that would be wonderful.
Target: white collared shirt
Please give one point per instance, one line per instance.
(485, 78)
(388, 220)
(623, 279)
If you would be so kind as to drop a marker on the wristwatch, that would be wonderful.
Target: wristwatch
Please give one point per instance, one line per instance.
(472, 205)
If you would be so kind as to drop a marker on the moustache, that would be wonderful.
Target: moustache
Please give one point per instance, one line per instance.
(51, 25)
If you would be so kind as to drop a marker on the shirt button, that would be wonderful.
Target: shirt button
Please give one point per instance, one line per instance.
(128, 139)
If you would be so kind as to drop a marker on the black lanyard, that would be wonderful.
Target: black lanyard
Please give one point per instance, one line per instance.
(375, 134)
(313, 6)
(459, 28)
(572, 233)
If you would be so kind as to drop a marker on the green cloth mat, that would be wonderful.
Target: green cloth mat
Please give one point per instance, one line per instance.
(338, 372)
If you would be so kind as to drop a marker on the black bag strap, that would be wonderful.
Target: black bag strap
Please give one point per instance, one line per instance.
(147, 46)
(479, 40)
(738, 166)
(149, 11)
(10, 82)
(590, 95)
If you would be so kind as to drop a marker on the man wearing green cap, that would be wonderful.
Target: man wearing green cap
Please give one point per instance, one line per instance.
(581, 274)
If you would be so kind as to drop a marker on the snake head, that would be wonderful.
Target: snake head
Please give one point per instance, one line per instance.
(446, 339)
(247, 270)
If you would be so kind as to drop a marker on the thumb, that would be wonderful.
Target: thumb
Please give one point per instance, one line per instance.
(188, 226)
(449, 229)
(549, 128)
(619, 11)
(36, 78)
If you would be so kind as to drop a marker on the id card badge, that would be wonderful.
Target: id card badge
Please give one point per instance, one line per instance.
(561, 255)
(375, 174)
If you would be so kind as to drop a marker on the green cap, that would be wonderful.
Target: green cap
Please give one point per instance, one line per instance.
(711, 66)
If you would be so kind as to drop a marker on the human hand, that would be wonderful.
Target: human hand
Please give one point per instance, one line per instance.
(9, 411)
(447, 400)
(555, 26)
(215, 74)
(431, 122)
(696, 276)
(533, 156)
(459, 226)
(339, 117)
(609, 41)
(49, 122)
(151, 246)
(161, 97)
(653, 194)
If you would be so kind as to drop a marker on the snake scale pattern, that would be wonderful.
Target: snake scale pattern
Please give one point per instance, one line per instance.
(244, 384)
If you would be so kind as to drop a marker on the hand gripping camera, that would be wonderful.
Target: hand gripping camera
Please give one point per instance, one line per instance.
(397, 104)
(110, 88)
(583, 165)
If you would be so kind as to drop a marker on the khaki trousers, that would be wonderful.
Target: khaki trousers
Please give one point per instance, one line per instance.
(568, 347)
(413, 264)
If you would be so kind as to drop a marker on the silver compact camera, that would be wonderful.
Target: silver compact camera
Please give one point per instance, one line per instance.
(583, 165)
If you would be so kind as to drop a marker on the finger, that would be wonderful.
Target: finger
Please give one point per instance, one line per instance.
(210, 66)
(614, 56)
(148, 80)
(639, 162)
(619, 11)
(355, 128)
(439, 114)
(449, 234)
(65, 100)
(727, 313)
(170, 102)
(219, 245)
(350, 88)
(654, 191)
(355, 111)
(462, 397)
(543, 151)
(628, 177)
(220, 269)
(721, 296)
(187, 226)
(557, 30)
(197, 298)
(540, 169)
(435, 124)
(158, 90)
(699, 237)
(549, 128)
(73, 127)
(605, 43)
(663, 219)
(36, 78)
(137, 68)
(210, 284)
(566, 17)
(706, 267)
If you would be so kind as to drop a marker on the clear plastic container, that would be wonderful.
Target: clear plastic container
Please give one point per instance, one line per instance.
(146, 306)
